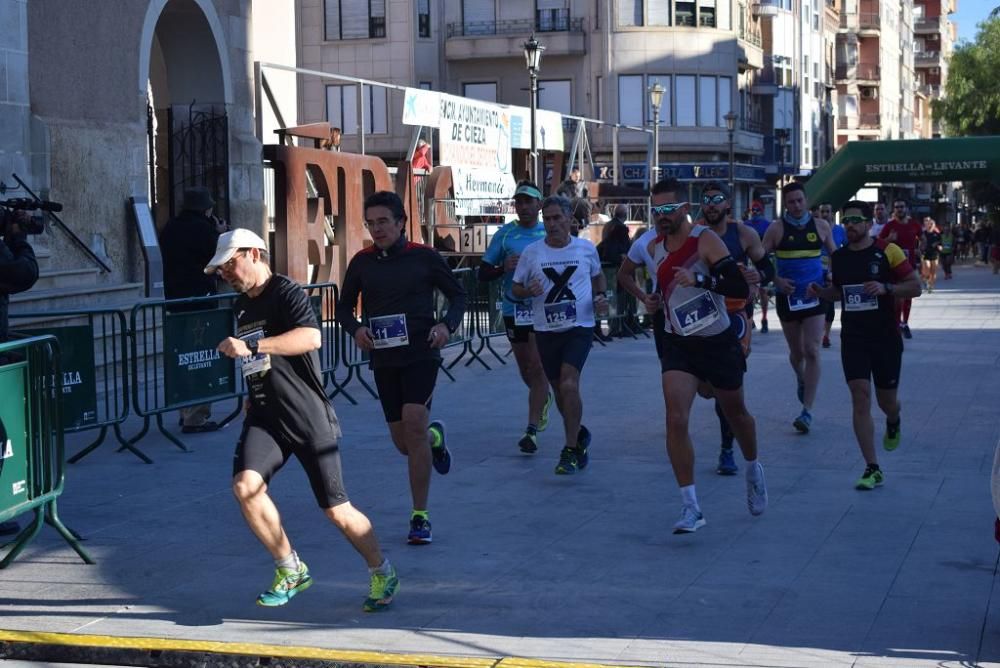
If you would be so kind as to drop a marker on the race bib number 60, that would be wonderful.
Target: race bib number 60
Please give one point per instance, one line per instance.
(856, 299)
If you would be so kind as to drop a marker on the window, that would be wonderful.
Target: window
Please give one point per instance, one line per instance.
(487, 91)
(684, 97)
(555, 95)
(684, 16)
(425, 85)
(659, 12)
(551, 15)
(479, 17)
(423, 18)
(342, 109)
(706, 13)
(630, 95)
(663, 80)
(354, 19)
(630, 12)
(707, 114)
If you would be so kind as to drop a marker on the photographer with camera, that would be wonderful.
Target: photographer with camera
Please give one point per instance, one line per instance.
(18, 272)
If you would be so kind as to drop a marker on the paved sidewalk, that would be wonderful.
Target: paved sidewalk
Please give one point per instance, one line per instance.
(582, 568)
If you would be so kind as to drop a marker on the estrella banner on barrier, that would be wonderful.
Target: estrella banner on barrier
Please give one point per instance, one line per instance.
(79, 373)
(193, 368)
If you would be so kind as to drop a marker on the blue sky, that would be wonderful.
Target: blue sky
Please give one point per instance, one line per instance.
(971, 12)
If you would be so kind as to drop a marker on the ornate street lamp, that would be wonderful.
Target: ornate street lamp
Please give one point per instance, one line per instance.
(656, 92)
(533, 59)
(731, 127)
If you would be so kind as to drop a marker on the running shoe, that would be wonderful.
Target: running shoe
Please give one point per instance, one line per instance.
(727, 464)
(528, 444)
(543, 421)
(381, 590)
(891, 439)
(568, 463)
(826, 343)
(691, 520)
(582, 447)
(756, 490)
(440, 455)
(871, 478)
(905, 329)
(287, 583)
(420, 531)
(763, 326)
(803, 421)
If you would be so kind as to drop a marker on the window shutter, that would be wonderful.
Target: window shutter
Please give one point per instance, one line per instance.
(479, 17)
(332, 19)
(354, 18)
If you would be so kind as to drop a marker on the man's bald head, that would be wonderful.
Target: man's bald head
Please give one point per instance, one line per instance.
(621, 211)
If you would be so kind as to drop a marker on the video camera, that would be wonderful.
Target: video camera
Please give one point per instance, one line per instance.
(34, 224)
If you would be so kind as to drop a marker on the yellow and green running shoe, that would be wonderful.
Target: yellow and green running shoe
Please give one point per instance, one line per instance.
(543, 421)
(871, 478)
(381, 590)
(287, 583)
(891, 439)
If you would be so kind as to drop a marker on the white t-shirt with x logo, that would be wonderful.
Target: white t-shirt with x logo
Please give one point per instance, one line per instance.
(567, 299)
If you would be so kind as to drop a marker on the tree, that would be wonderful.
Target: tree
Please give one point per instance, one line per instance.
(971, 102)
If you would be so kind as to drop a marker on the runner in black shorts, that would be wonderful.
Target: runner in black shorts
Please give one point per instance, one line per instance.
(867, 277)
(562, 276)
(396, 280)
(500, 261)
(797, 240)
(288, 414)
(695, 274)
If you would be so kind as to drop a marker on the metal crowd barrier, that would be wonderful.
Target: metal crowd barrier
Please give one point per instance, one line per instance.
(622, 307)
(32, 465)
(466, 330)
(485, 303)
(324, 297)
(95, 372)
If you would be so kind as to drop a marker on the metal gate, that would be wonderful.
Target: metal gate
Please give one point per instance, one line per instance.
(198, 154)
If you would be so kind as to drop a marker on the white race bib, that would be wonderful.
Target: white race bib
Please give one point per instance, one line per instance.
(560, 315)
(855, 299)
(802, 303)
(389, 331)
(696, 314)
(258, 363)
(524, 314)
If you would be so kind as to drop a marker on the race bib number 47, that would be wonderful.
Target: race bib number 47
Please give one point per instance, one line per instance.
(696, 314)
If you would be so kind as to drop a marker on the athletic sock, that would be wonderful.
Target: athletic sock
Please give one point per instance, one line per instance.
(419, 513)
(382, 569)
(291, 562)
(531, 430)
(689, 497)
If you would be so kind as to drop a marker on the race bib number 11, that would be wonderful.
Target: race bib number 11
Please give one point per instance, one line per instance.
(389, 331)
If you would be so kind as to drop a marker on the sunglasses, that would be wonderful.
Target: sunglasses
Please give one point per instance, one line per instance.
(854, 220)
(713, 199)
(667, 209)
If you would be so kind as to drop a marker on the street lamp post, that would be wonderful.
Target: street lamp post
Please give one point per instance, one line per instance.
(656, 92)
(731, 127)
(533, 59)
(781, 134)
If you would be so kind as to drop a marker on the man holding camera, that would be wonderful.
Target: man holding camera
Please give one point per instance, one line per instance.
(18, 272)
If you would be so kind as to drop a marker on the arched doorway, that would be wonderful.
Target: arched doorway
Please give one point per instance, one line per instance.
(188, 92)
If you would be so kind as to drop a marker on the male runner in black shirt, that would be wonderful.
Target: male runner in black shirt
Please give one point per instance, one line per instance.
(396, 279)
(868, 276)
(277, 337)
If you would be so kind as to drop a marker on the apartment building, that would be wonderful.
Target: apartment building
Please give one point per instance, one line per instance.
(934, 37)
(875, 70)
(600, 59)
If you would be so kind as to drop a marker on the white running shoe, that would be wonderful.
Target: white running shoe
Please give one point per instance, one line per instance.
(756, 490)
(691, 520)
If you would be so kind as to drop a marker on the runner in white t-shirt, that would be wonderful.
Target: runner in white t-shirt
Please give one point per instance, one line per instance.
(562, 275)
(638, 255)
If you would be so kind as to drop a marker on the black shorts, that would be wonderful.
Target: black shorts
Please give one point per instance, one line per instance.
(831, 310)
(410, 384)
(717, 360)
(263, 450)
(569, 347)
(785, 314)
(659, 325)
(879, 358)
(517, 333)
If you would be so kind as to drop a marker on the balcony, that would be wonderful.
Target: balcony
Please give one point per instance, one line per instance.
(765, 8)
(933, 24)
(561, 34)
(868, 73)
(866, 122)
(765, 84)
(930, 90)
(864, 22)
(927, 58)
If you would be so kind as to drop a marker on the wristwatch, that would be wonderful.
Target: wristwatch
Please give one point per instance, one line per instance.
(889, 288)
(253, 346)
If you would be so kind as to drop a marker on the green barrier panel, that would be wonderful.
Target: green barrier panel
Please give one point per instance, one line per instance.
(32, 466)
(79, 373)
(194, 371)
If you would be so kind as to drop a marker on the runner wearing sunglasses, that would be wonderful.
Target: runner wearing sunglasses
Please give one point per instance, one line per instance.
(868, 275)
(743, 245)
(695, 275)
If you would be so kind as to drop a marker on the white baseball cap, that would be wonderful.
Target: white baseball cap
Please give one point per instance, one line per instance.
(229, 243)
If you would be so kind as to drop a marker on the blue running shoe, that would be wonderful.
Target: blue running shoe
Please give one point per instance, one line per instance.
(568, 464)
(803, 421)
(727, 464)
(582, 448)
(528, 444)
(287, 583)
(440, 455)
(420, 531)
